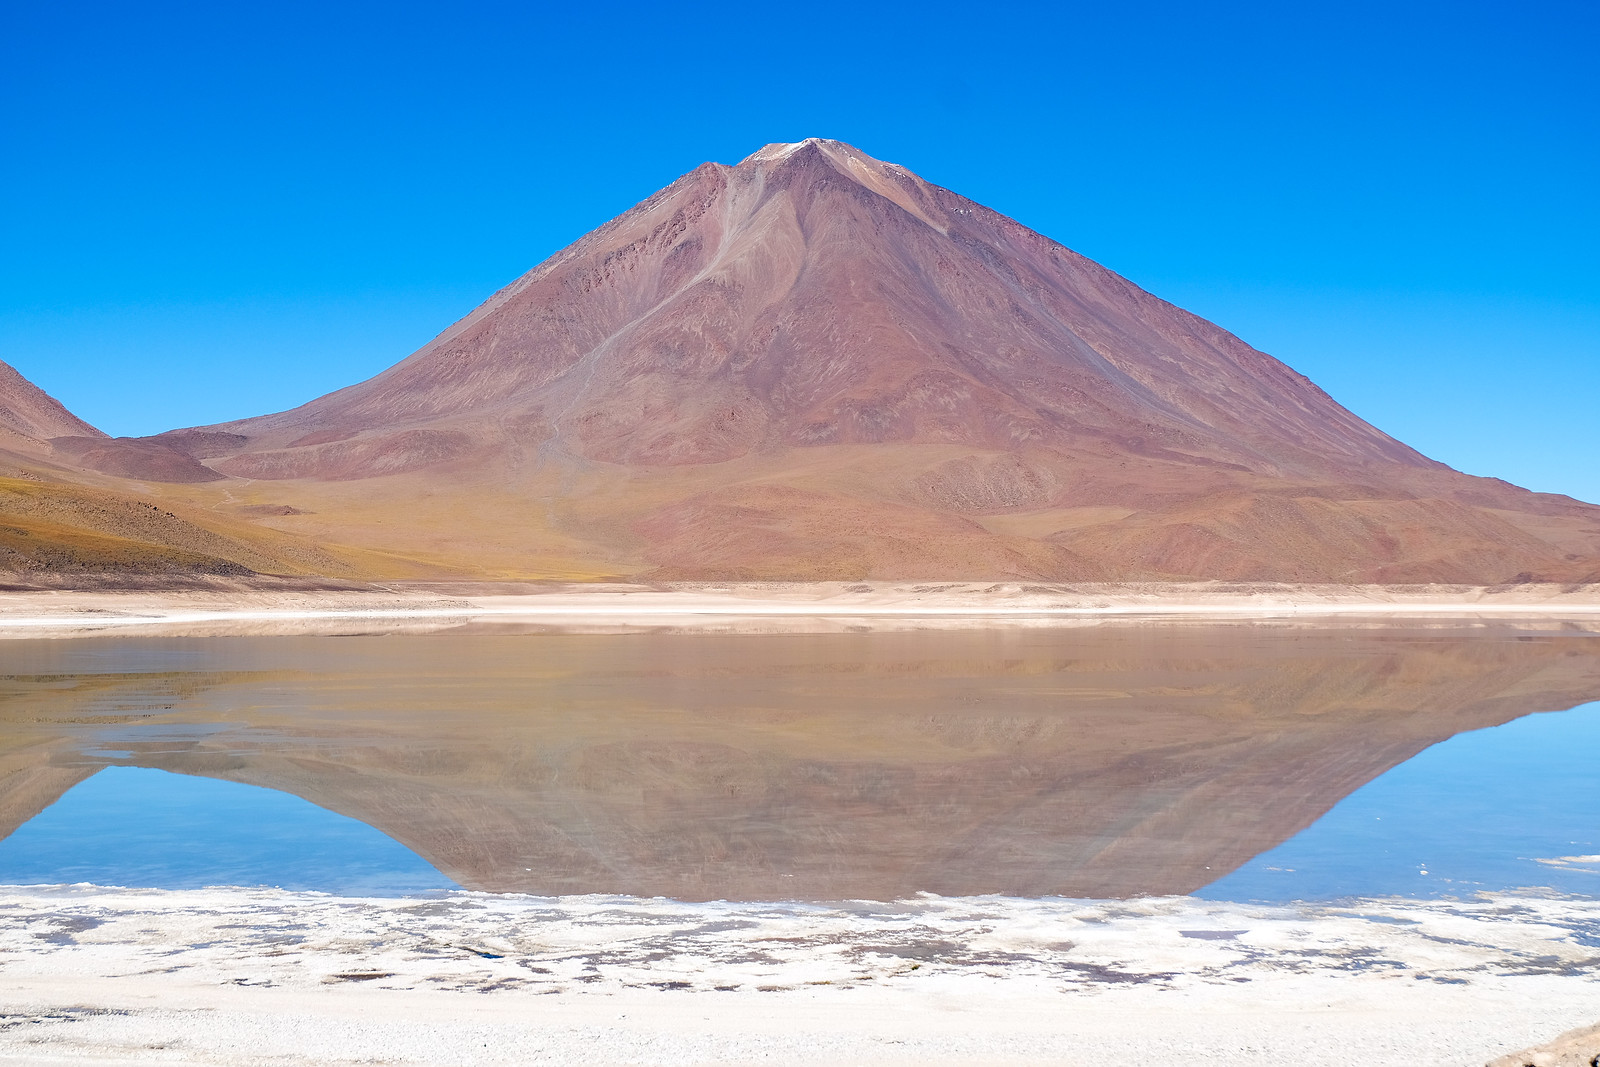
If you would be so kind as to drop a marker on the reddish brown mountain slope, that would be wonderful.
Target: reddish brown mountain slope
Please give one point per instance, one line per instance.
(814, 364)
(35, 424)
(29, 416)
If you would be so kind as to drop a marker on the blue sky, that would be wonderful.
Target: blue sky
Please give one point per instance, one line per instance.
(210, 211)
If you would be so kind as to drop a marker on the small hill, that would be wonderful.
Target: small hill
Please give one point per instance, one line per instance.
(54, 529)
(30, 417)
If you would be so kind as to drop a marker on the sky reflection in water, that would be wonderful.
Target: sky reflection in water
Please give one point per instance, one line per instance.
(1511, 807)
(145, 828)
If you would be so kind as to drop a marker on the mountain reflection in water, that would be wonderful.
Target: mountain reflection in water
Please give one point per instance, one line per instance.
(1095, 761)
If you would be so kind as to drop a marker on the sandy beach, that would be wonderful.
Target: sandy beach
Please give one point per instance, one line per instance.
(235, 977)
(264, 605)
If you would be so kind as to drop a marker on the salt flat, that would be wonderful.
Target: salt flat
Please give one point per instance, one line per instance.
(234, 976)
(263, 605)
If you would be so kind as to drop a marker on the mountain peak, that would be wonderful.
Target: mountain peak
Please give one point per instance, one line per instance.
(890, 181)
(845, 158)
(781, 150)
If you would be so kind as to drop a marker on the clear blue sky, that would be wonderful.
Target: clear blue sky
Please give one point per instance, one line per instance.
(210, 211)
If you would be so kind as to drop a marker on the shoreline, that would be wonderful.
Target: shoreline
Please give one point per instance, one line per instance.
(246, 976)
(295, 608)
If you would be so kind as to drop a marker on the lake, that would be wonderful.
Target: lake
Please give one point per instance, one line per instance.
(1112, 760)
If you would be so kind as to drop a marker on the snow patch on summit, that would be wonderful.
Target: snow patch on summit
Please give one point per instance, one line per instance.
(778, 150)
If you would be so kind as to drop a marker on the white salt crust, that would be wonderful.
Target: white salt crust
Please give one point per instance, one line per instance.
(233, 976)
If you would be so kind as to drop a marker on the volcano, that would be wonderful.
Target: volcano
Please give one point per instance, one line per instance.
(813, 365)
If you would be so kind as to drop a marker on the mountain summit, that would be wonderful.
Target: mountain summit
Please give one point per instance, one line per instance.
(815, 364)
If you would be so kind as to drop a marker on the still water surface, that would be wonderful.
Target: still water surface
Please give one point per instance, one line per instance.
(134, 826)
(1241, 762)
